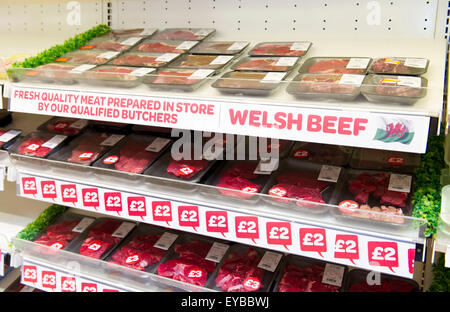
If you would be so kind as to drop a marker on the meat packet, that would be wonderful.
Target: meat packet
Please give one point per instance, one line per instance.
(372, 159)
(64, 125)
(52, 73)
(399, 66)
(134, 153)
(185, 34)
(269, 64)
(203, 61)
(108, 126)
(121, 44)
(8, 137)
(220, 47)
(145, 59)
(357, 282)
(154, 130)
(281, 48)
(145, 248)
(178, 79)
(94, 57)
(39, 144)
(166, 46)
(325, 154)
(117, 76)
(131, 32)
(335, 65)
(246, 269)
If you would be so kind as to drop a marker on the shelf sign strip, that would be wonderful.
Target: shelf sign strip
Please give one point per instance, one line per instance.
(359, 250)
(397, 132)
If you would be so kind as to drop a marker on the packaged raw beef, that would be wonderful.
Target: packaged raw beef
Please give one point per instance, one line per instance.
(63, 230)
(144, 248)
(55, 73)
(341, 87)
(271, 64)
(325, 154)
(64, 125)
(155, 60)
(220, 47)
(117, 76)
(357, 282)
(251, 147)
(108, 126)
(166, 46)
(39, 144)
(196, 61)
(121, 44)
(159, 131)
(281, 48)
(335, 65)
(302, 186)
(246, 269)
(394, 89)
(8, 137)
(365, 158)
(184, 34)
(399, 66)
(187, 261)
(178, 79)
(300, 274)
(249, 83)
(94, 57)
(87, 148)
(132, 32)
(134, 153)
(101, 238)
(370, 196)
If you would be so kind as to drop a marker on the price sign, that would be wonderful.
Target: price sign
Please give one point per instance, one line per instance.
(68, 284)
(411, 256)
(188, 216)
(395, 160)
(301, 154)
(88, 287)
(162, 211)
(279, 233)
(69, 193)
(247, 227)
(252, 284)
(48, 279)
(29, 186)
(113, 201)
(313, 240)
(132, 259)
(29, 273)
(383, 254)
(347, 206)
(346, 247)
(217, 222)
(137, 206)
(90, 197)
(48, 189)
(196, 273)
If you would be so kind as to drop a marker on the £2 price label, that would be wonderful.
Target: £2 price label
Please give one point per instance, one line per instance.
(68, 284)
(346, 247)
(29, 186)
(29, 273)
(247, 227)
(313, 240)
(137, 206)
(90, 197)
(88, 287)
(48, 279)
(279, 233)
(162, 211)
(48, 189)
(384, 254)
(113, 201)
(188, 216)
(217, 222)
(252, 284)
(69, 193)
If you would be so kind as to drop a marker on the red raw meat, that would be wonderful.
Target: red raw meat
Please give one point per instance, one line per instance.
(303, 179)
(390, 87)
(62, 127)
(324, 84)
(33, 147)
(111, 46)
(394, 198)
(58, 235)
(186, 169)
(137, 60)
(173, 77)
(134, 158)
(387, 66)
(116, 73)
(334, 66)
(177, 35)
(239, 184)
(286, 190)
(263, 64)
(159, 47)
(243, 170)
(88, 149)
(306, 279)
(100, 239)
(276, 49)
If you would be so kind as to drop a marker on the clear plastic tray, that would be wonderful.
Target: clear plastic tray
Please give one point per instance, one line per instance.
(335, 65)
(131, 32)
(357, 282)
(141, 59)
(394, 89)
(94, 57)
(220, 47)
(178, 79)
(10, 138)
(271, 64)
(38, 144)
(281, 48)
(185, 34)
(203, 61)
(48, 73)
(340, 87)
(399, 66)
(325, 154)
(64, 125)
(116, 76)
(121, 44)
(165, 46)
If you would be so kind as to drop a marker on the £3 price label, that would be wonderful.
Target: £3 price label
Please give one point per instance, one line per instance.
(346, 247)
(217, 222)
(162, 211)
(29, 186)
(384, 254)
(196, 273)
(137, 206)
(247, 227)
(48, 279)
(88, 287)
(90, 197)
(68, 284)
(69, 193)
(313, 240)
(188, 216)
(113, 201)
(29, 273)
(48, 189)
(252, 284)
(279, 233)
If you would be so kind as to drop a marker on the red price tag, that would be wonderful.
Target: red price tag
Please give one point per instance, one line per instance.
(95, 246)
(68, 284)
(86, 156)
(313, 239)
(247, 227)
(217, 222)
(33, 147)
(69, 193)
(252, 284)
(90, 197)
(132, 259)
(249, 189)
(88, 287)
(383, 254)
(110, 160)
(113, 201)
(49, 279)
(29, 186)
(188, 216)
(411, 256)
(137, 206)
(29, 273)
(278, 191)
(279, 233)
(346, 206)
(346, 247)
(57, 245)
(162, 211)
(186, 170)
(196, 273)
(62, 124)
(301, 154)
(395, 160)
(48, 189)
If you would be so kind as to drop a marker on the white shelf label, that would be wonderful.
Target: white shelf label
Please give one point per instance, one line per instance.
(349, 79)
(139, 72)
(186, 45)
(238, 45)
(300, 46)
(217, 252)
(27, 288)
(202, 32)
(157, 145)
(400, 183)
(329, 173)
(112, 140)
(166, 57)
(358, 63)
(273, 77)
(123, 229)
(413, 82)
(148, 31)
(79, 124)
(82, 68)
(416, 62)
(108, 55)
(8, 136)
(201, 73)
(55, 141)
(286, 61)
(131, 41)
(221, 59)
(83, 224)
(333, 274)
(269, 261)
(166, 240)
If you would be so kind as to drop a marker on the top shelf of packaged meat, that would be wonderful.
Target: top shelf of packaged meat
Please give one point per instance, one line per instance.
(381, 93)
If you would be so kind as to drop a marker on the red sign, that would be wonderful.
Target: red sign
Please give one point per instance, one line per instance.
(383, 254)
(90, 197)
(69, 193)
(301, 154)
(48, 279)
(313, 239)
(86, 155)
(113, 201)
(278, 191)
(279, 233)
(346, 247)
(57, 245)
(188, 216)
(137, 206)
(29, 273)
(29, 186)
(132, 259)
(252, 284)
(196, 273)
(395, 160)
(247, 227)
(68, 284)
(111, 160)
(217, 222)
(48, 189)
(95, 246)
(347, 206)
(186, 170)
(162, 211)
(411, 259)
(88, 287)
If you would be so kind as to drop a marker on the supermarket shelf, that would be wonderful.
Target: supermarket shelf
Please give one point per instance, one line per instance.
(417, 116)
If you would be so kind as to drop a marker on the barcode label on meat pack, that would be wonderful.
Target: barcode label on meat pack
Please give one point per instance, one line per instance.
(349, 79)
(166, 57)
(269, 261)
(157, 145)
(83, 224)
(400, 183)
(166, 240)
(201, 73)
(123, 229)
(108, 55)
(333, 274)
(131, 41)
(112, 140)
(8, 136)
(79, 124)
(82, 68)
(358, 63)
(186, 45)
(221, 59)
(273, 77)
(416, 62)
(55, 141)
(286, 61)
(300, 46)
(413, 82)
(148, 31)
(238, 45)
(217, 252)
(267, 166)
(329, 173)
(139, 72)
(202, 32)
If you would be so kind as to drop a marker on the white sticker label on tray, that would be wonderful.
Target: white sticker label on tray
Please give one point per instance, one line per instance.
(286, 61)
(217, 252)
(400, 183)
(333, 274)
(201, 73)
(8, 136)
(186, 45)
(83, 224)
(202, 32)
(148, 31)
(413, 82)
(166, 240)
(416, 62)
(131, 41)
(267, 166)
(166, 57)
(112, 140)
(79, 124)
(55, 141)
(269, 261)
(349, 79)
(273, 77)
(123, 229)
(329, 173)
(358, 63)
(139, 72)
(221, 59)
(157, 145)
(82, 68)
(108, 55)
(300, 46)
(238, 45)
